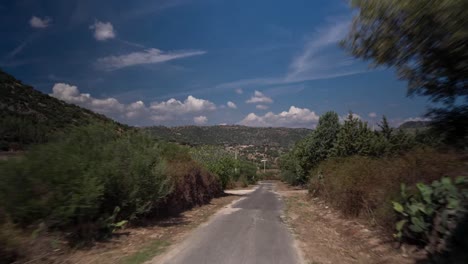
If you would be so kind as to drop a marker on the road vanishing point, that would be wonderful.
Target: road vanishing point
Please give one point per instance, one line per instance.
(249, 231)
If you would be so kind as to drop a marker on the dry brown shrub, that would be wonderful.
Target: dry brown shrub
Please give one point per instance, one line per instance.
(364, 186)
(193, 186)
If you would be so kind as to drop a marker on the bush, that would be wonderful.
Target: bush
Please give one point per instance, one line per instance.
(430, 214)
(95, 177)
(222, 163)
(364, 186)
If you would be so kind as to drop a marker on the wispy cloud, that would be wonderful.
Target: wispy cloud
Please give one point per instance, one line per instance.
(148, 56)
(324, 37)
(319, 59)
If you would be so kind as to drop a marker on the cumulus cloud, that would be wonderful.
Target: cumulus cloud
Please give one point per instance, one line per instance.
(231, 105)
(189, 105)
(71, 94)
(148, 56)
(262, 107)
(372, 114)
(200, 120)
(239, 91)
(137, 112)
(37, 22)
(259, 97)
(294, 117)
(103, 30)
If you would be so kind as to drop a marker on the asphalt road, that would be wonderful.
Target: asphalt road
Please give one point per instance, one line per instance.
(250, 231)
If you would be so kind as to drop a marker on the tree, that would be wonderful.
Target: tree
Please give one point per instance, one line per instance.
(385, 128)
(426, 41)
(354, 138)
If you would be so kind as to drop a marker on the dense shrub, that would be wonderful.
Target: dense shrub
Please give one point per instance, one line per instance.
(430, 214)
(92, 178)
(364, 186)
(331, 140)
(224, 165)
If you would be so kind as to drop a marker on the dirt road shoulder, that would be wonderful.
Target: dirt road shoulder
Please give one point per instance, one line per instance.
(326, 237)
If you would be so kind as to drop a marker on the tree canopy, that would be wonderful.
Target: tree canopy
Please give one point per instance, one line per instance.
(426, 41)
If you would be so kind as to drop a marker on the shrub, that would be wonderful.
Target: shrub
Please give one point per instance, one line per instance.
(364, 186)
(430, 214)
(222, 163)
(87, 181)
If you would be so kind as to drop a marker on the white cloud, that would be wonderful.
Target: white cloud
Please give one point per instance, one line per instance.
(310, 60)
(37, 22)
(294, 117)
(136, 109)
(103, 30)
(148, 56)
(71, 94)
(239, 91)
(262, 107)
(190, 105)
(259, 97)
(138, 112)
(200, 120)
(372, 114)
(231, 105)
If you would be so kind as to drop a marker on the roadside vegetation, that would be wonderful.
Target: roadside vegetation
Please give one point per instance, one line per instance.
(413, 185)
(94, 180)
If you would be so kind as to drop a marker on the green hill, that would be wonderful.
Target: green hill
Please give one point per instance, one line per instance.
(230, 135)
(28, 116)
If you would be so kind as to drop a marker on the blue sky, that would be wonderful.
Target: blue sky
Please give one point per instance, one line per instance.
(205, 62)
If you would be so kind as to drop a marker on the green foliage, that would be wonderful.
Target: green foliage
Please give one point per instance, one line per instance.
(431, 213)
(354, 138)
(424, 40)
(224, 165)
(88, 181)
(310, 151)
(330, 139)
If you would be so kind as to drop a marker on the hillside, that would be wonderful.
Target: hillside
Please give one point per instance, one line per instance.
(28, 116)
(231, 135)
(414, 124)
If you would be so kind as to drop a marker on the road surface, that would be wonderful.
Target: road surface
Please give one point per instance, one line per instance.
(249, 231)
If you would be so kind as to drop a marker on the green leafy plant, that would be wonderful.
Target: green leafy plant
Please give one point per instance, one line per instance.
(430, 213)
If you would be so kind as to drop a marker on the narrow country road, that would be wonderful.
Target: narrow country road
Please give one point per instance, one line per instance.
(250, 231)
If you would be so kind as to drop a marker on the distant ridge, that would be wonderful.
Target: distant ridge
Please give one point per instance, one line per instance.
(230, 135)
(415, 125)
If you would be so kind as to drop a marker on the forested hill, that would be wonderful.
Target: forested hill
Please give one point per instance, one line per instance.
(28, 116)
(230, 135)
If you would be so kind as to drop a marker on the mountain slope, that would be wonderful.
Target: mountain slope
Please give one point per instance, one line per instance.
(28, 116)
(230, 135)
(415, 125)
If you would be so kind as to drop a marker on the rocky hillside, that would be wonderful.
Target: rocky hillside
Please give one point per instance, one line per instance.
(231, 135)
(28, 116)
